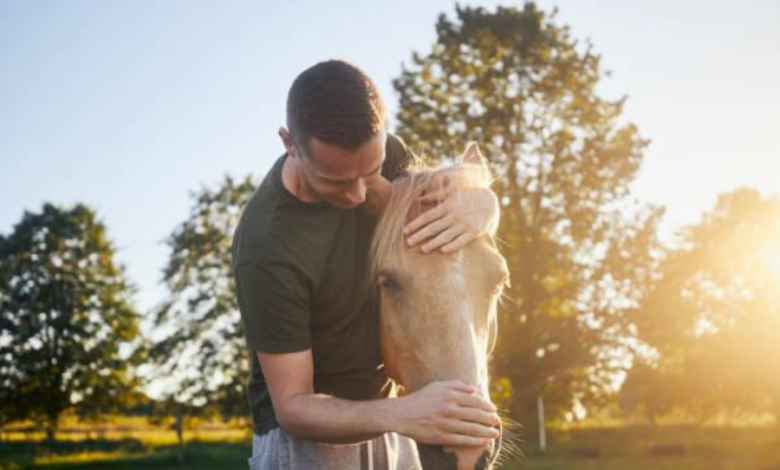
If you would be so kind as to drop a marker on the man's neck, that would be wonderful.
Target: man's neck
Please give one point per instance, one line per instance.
(295, 183)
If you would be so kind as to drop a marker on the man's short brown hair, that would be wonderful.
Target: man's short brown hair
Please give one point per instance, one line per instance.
(335, 102)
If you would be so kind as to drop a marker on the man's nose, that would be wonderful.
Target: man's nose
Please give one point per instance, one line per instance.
(357, 193)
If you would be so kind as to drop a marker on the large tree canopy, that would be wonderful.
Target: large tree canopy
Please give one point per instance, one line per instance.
(66, 322)
(713, 315)
(200, 350)
(579, 248)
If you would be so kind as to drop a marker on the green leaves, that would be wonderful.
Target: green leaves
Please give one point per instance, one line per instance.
(65, 312)
(516, 82)
(199, 349)
(713, 313)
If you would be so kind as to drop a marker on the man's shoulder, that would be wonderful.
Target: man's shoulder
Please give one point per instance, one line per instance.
(275, 228)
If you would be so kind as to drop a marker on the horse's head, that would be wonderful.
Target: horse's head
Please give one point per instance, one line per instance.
(438, 310)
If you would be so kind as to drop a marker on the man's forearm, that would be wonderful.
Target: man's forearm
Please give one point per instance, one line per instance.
(325, 418)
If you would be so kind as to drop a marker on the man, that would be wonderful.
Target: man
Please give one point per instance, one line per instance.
(300, 256)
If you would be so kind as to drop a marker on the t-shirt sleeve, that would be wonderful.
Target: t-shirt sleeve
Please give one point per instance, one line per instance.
(398, 157)
(274, 303)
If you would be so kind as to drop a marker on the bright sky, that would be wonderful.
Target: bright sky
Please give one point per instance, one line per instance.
(129, 106)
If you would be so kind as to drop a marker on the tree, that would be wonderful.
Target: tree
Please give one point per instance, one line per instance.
(66, 322)
(200, 348)
(579, 248)
(713, 316)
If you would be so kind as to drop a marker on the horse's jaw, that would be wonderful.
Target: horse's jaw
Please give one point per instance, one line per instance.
(459, 458)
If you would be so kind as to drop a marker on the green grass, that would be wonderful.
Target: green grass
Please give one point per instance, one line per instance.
(126, 455)
(620, 448)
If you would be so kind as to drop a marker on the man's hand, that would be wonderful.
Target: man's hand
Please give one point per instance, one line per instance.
(456, 217)
(447, 413)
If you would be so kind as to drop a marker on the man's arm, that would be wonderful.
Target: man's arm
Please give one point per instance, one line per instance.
(446, 413)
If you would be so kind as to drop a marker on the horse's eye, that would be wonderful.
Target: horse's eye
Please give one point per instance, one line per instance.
(387, 281)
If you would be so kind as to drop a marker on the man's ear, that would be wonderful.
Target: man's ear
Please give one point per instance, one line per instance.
(288, 143)
(472, 155)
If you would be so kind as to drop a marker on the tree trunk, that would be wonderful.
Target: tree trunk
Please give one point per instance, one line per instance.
(180, 432)
(51, 428)
(542, 428)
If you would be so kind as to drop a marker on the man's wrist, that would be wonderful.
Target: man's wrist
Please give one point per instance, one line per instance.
(387, 415)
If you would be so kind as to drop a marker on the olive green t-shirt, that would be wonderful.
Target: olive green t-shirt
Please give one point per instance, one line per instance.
(299, 268)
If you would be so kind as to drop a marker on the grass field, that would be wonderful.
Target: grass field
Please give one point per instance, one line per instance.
(620, 448)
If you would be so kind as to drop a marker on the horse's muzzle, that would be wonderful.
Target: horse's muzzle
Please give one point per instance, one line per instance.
(435, 457)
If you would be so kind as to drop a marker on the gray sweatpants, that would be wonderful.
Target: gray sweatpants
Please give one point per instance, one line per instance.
(278, 450)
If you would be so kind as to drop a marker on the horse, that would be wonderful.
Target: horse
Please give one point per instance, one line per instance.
(438, 312)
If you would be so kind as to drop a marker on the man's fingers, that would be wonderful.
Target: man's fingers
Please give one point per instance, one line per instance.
(437, 185)
(471, 429)
(435, 196)
(441, 239)
(476, 416)
(425, 218)
(430, 230)
(474, 401)
(458, 243)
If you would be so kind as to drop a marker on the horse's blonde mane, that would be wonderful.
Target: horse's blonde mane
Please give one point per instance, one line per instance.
(389, 240)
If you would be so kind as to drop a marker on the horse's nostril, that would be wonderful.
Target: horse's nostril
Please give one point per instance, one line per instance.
(490, 455)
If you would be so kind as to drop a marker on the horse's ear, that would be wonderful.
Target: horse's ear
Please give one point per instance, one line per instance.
(473, 155)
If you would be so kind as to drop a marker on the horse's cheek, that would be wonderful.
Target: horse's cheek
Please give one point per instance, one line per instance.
(388, 351)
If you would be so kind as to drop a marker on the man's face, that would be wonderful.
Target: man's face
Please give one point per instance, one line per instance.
(341, 177)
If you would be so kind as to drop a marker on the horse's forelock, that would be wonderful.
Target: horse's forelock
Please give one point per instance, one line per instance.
(389, 241)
